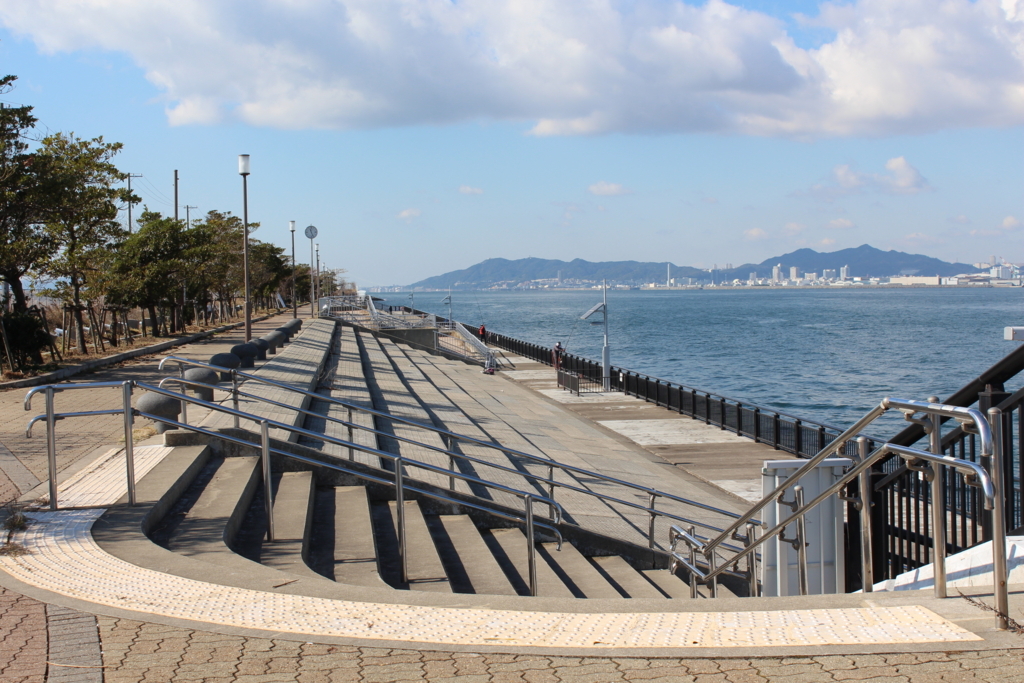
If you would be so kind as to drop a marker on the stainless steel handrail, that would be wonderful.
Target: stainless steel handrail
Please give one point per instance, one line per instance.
(536, 478)
(989, 480)
(400, 462)
(551, 464)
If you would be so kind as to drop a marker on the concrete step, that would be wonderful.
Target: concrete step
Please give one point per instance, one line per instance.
(509, 548)
(349, 554)
(669, 584)
(623, 577)
(210, 525)
(576, 572)
(426, 573)
(468, 561)
(293, 516)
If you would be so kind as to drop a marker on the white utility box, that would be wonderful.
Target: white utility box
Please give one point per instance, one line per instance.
(1013, 333)
(825, 539)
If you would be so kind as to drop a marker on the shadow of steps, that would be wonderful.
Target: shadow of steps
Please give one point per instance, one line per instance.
(293, 516)
(342, 548)
(508, 546)
(470, 566)
(668, 583)
(425, 571)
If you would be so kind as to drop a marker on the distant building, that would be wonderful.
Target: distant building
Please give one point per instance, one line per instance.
(828, 274)
(811, 276)
(794, 273)
(753, 278)
(844, 273)
(777, 273)
(1001, 272)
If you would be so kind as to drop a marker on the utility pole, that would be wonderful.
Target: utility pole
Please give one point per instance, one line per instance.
(188, 216)
(130, 176)
(319, 284)
(175, 195)
(295, 302)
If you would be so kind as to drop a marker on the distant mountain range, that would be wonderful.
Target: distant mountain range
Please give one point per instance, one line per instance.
(864, 261)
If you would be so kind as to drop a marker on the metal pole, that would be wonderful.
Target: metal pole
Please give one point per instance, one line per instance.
(184, 388)
(801, 539)
(650, 522)
(295, 302)
(129, 439)
(938, 505)
(999, 577)
(605, 361)
(351, 451)
(51, 446)
(693, 563)
(268, 484)
(867, 561)
(234, 394)
(312, 282)
(400, 503)
(319, 285)
(751, 561)
(245, 255)
(551, 491)
(531, 550)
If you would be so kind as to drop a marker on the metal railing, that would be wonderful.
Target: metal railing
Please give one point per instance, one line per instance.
(473, 342)
(451, 439)
(578, 384)
(989, 480)
(387, 321)
(400, 463)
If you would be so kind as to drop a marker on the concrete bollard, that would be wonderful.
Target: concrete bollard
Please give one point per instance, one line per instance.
(226, 360)
(246, 353)
(204, 375)
(261, 348)
(274, 340)
(158, 404)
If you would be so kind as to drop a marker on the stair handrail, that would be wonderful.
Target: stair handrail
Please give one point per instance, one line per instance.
(400, 462)
(989, 431)
(652, 493)
(477, 345)
(535, 478)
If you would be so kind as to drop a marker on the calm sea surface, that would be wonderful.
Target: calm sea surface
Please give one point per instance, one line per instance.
(822, 354)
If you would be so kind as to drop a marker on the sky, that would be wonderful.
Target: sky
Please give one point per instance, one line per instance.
(423, 136)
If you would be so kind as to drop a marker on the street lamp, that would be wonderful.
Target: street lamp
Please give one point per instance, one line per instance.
(311, 234)
(295, 302)
(319, 284)
(243, 170)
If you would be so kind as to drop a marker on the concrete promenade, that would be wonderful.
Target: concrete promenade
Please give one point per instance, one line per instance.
(66, 640)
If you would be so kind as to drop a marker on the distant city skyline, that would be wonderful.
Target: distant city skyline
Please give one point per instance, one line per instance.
(426, 137)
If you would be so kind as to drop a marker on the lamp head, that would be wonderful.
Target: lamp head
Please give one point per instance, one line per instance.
(291, 225)
(243, 164)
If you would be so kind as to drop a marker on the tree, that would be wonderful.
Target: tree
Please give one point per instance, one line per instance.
(26, 186)
(82, 219)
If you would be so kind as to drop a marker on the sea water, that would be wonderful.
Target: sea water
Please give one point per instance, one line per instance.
(828, 355)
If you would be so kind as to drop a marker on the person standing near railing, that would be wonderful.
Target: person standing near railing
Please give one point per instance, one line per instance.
(482, 333)
(556, 355)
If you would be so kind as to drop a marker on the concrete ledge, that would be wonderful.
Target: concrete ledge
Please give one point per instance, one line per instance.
(64, 373)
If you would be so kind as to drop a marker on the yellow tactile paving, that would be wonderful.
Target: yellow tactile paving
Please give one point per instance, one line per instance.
(104, 481)
(63, 558)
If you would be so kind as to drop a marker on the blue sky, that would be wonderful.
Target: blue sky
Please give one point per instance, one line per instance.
(422, 137)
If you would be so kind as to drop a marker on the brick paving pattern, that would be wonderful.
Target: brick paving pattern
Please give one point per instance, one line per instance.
(137, 651)
(22, 639)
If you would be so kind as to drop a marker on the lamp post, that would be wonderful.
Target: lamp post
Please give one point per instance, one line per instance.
(311, 232)
(319, 284)
(243, 170)
(295, 302)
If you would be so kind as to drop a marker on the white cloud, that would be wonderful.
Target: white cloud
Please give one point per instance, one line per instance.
(827, 242)
(466, 189)
(568, 68)
(961, 219)
(1011, 222)
(901, 178)
(840, 223)
(1007, 225)
(755, 234)
(603, 189)
(793, 228)
(408, 214)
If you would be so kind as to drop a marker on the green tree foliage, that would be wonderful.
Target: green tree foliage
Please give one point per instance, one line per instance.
(26, 186)
(82, 219)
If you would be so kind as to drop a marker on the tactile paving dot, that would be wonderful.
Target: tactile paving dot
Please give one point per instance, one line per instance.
(63, 558)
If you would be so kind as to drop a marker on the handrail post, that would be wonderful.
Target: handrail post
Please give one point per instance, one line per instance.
(351, 451)
(801, 540)
(268, 484)
(938, 505)
(712, 566)
(757, 425)
(551, 490)
(531, 550)
(129, 438)
(51, 446)
(650, 523)
(234, 393)
(693, 563)
(400, 504)
(776, 430)
(752, 590)
(183, 389)
(867, 562)
(999, 577)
